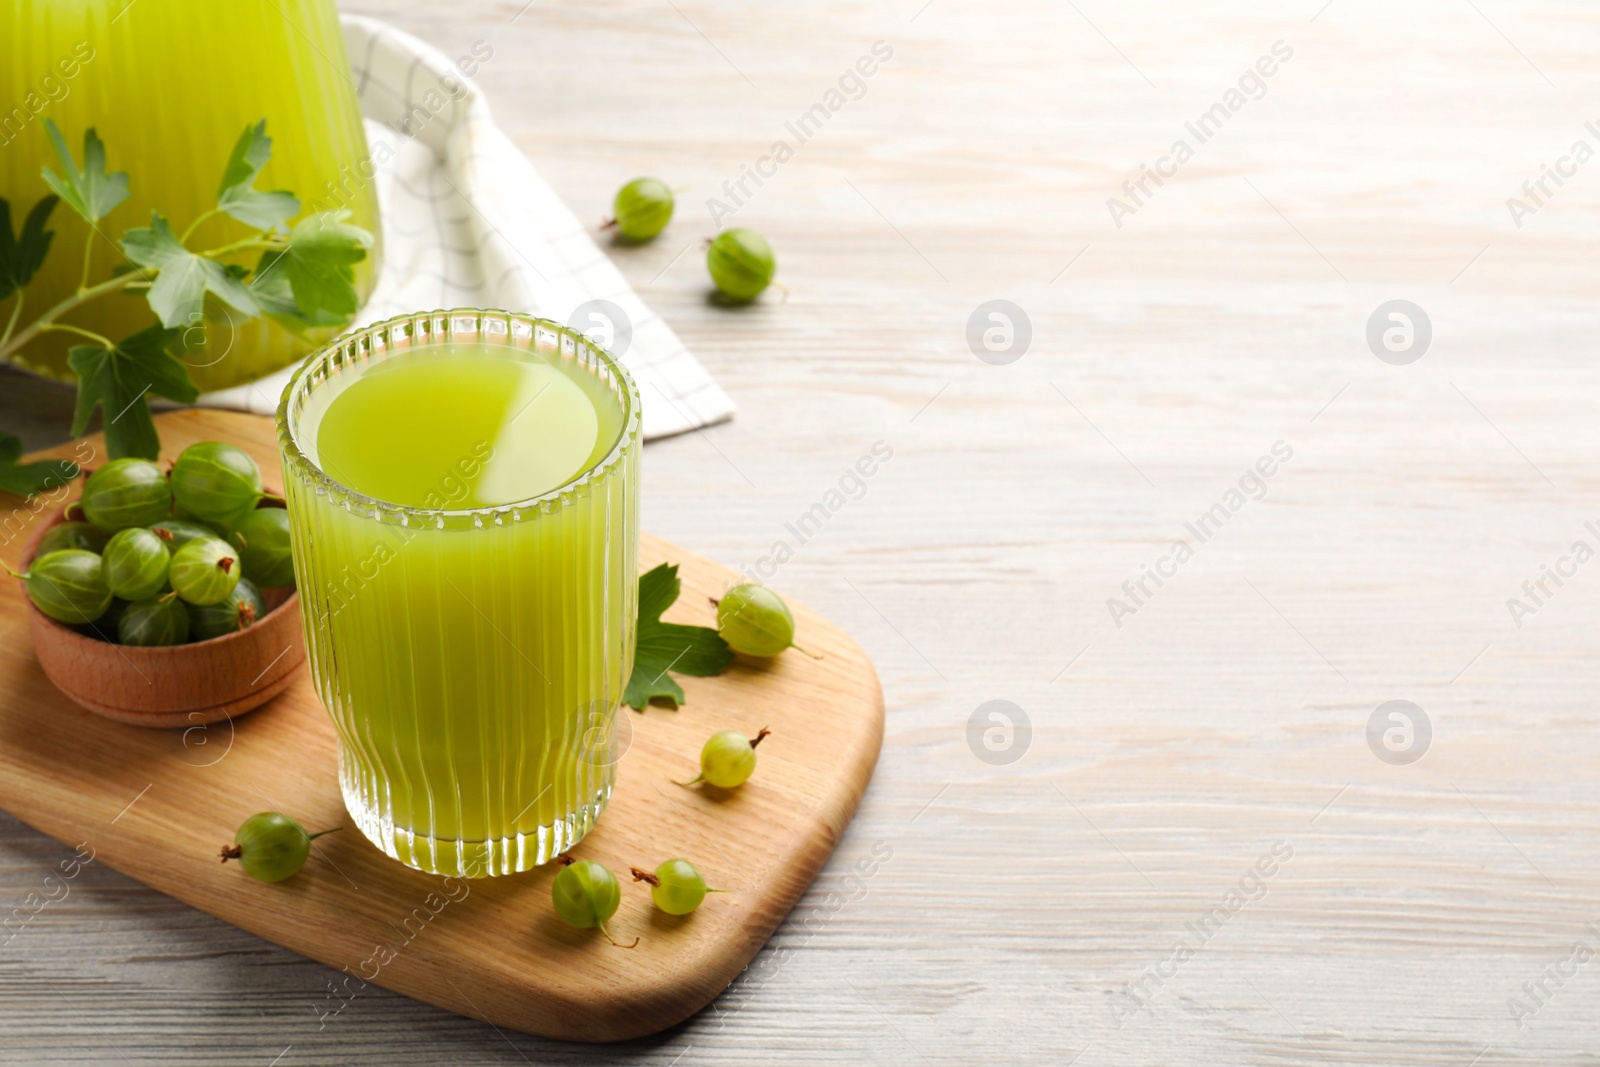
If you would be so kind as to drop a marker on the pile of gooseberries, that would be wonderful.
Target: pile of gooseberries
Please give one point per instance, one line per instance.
(159, 558)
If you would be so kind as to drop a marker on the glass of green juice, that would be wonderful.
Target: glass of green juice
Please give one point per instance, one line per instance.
(169, 85)
(463, 491)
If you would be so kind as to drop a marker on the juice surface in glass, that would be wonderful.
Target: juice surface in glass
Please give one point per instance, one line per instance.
(464, 511)
(531, 424)
(169, 85)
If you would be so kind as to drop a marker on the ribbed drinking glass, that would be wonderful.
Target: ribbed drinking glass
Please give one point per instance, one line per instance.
(472, 658)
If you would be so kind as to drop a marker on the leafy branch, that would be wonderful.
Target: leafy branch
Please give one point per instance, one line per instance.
(304, 278)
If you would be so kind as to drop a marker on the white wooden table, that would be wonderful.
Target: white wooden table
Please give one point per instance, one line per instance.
(1094, 888)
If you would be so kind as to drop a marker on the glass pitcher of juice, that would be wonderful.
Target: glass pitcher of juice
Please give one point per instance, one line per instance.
(170, 85)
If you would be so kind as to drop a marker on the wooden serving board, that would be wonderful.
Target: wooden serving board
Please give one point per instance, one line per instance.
(158, 804)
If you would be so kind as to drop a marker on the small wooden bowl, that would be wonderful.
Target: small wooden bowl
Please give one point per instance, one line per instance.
(184, 685)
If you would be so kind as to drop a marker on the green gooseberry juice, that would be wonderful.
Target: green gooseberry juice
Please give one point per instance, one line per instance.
(170, 85)
(463, 500)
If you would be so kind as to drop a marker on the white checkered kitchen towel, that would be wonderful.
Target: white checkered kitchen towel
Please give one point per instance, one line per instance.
(468, 222)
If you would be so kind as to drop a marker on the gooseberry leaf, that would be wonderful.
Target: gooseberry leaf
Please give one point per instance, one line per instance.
(658, 591)
(665, 646)
(239, 198)
(275, 296)
(178, 294)
(318, 266)
(118, 380)
(25, 479)
(21, 254)
(91, 192)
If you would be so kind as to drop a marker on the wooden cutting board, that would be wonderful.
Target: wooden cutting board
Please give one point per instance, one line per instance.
(158, 804)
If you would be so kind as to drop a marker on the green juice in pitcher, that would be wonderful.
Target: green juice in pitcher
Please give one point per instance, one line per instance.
(468, 576)
(169, 85)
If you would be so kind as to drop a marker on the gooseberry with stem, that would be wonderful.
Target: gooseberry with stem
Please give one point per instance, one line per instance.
(239, 611)
(728, 760)
(175, 533)
(204, 571)
(676, 886)
(641, 210)
(586, 894)
(271, 846)
(755, 620)
(67, 585)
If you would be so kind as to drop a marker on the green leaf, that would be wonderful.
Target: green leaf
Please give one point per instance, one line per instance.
(694, 650)
(645, 689)
(276, 298)
(658, 591)
(25, 479)
(178, 293)
(667, 646)
(238, 196)
(91, 192)
(21, 255)
(117, 380)
(317, 265)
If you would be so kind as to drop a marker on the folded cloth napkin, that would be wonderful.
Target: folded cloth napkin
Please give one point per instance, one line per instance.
(468, 222)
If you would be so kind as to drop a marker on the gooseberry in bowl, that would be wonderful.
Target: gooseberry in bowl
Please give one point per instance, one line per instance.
(262, 538)
(214, 480)
(126, 492)
(159, 624)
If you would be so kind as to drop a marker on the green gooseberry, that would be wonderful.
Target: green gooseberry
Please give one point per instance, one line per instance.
(271, 846)
(135, 564)
(153, 623)
(68, 586)
(741, 263)
(213, 480)
(586, 894)
(126, 492)
(262, 538)
(204, 571)
(755, 620)
(242, 608)
(74, 534)
(676, 886)
(728, 759)
(642, 208)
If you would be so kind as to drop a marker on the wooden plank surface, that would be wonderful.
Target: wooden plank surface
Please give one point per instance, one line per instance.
(1021, 901)
(158, 804)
